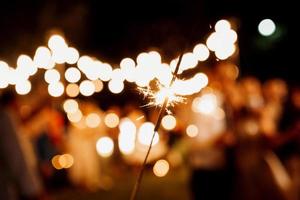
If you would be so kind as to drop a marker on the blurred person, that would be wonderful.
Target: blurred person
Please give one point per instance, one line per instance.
(81, 144)
(18, 173)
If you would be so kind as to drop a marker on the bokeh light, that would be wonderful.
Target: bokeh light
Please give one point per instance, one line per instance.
(56, 89)
(145, 134)
(168, 122)
(105, 146)
(52, 76)
(87, 88)
(192, 130)
(72, 75)
(92, 120)
(266, 27)
(72, 90)
(70, 106)
(161, 168)
(111, 120)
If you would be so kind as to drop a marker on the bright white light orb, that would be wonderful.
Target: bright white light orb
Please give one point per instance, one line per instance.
(23, 88)
(266, 27)
(75, 117)
(222, 25)
(72, 55)
(116, 86)
(105, 146)
(56, 89)
(72, 75)
(206, 104)
(42, 58)
(52, 76)
(168, 122)
(126, 138)
(87, 88)
(70, 106)
(145, 134)
(201, 52)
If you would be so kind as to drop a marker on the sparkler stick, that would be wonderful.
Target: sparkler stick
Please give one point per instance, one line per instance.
(157, 125)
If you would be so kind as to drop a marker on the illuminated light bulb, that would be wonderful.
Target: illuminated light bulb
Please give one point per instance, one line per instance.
(266, 27)
(230, 36)
(3, 66)
(72, 55)
(126, 143)
(93, 70)
(115, 86)
(56, 89)
(72, 90)
(225, 52)
(161, 168)
(111, 120)
(52, 76)
(155, 57)
(4, 74)
(105, 146)
(42, 58)
(127, 66)
(189, 61)
(142, 59)
(192, 130)
(84, 63)
(201, 52)
(222, 25)
(56, 42)
(201, 79)
(145, 134)
(168, 122)
(59, 56)
(92, 120)
(213, 41)
(66, 161)
(105, 72)
(98, 85)
(70, 106)
(72, 75)
(87, 88)
(55, 162)
(75, 117)
(164, 74)
(117, 75)
(126, 138)
(206, 104)
(23, 88)
(26, 65)
(126, 125)
(16, 76)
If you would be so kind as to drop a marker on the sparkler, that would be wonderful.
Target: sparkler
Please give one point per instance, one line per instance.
(164, 97)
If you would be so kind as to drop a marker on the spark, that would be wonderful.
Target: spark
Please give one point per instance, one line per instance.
(159, 93)
(140, 117)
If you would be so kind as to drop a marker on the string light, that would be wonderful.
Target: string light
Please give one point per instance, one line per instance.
(56, 89)
(72, 75)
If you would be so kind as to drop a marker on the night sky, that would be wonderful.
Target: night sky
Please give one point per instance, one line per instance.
(112, 30)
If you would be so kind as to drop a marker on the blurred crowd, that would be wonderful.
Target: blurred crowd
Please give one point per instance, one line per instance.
(239, 138)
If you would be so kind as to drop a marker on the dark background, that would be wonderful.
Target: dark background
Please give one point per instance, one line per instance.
(112, 30)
